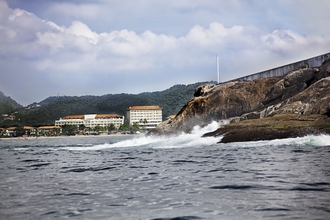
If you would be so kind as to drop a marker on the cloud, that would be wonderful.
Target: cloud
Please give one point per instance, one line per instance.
(75, 58)
(44, 40)
(80, 29)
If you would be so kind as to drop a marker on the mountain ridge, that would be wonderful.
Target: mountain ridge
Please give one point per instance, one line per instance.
(52, 108)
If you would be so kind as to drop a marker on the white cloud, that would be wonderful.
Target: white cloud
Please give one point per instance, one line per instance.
(128, 50)
(56, 52)
(53, 40)
(80, 29)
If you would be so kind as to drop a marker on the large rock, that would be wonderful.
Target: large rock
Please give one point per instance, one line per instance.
(313, 100)
(277, 127)
(203, 90)
(290, 85)
(223, 101)
(302, 92)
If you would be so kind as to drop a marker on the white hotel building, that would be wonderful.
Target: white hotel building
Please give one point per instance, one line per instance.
(91, 120)
(147, 116)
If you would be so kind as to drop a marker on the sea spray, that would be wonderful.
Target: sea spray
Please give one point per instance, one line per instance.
(170, 141)
(195, 139)
(308, 140)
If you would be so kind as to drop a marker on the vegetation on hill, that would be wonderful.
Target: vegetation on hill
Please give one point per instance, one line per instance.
(52, 108)
(8, 107)
(7, 104)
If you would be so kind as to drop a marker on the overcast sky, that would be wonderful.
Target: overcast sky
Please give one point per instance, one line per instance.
(97, 47)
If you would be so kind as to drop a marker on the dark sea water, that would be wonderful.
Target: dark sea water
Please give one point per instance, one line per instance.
(182, 177)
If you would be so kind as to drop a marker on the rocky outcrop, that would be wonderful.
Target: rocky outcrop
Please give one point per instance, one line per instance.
(290, 85)
(223, 101)
(276, 127)
(203, 90)
(303, 92)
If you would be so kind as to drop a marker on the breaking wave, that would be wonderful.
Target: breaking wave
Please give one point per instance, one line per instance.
(194, 139)
(174, 141)
(308, 140)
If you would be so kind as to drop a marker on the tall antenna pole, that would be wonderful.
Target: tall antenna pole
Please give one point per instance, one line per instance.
(218, 74)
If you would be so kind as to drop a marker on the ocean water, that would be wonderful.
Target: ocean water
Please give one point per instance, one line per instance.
(176, 177)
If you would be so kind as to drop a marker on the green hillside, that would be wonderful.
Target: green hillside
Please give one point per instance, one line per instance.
(52, 108)
(8, 107)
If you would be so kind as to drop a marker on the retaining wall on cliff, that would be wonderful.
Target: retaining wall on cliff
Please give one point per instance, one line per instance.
(280, 71)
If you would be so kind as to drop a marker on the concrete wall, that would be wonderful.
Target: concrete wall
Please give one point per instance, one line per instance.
(280, 71)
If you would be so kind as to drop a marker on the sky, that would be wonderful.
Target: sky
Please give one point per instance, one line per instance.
(98, 47)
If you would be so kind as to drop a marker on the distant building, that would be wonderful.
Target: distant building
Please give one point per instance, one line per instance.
(11, 131)
(91, 120)
(10, 117)
(148, 117)
(49, 130)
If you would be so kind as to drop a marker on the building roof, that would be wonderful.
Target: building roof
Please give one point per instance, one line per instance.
(24, 127)
(28, 127)
(108, 116)
(74, 117)
(49, 127)
(150, 107)
(96, 116)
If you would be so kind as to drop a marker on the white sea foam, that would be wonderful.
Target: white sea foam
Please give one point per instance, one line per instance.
(195, 139)
(176, 141)
(308, 140)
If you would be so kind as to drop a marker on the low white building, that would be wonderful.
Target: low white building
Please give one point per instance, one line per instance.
(148, 117)
(91, 120)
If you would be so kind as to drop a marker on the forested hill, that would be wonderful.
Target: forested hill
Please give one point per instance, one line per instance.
(7, 104)
(52, 108)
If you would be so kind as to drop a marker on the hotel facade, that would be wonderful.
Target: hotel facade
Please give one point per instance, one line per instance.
(148, 117)
(91, 120)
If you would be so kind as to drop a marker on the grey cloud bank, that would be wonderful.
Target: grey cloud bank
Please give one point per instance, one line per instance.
(101, 47)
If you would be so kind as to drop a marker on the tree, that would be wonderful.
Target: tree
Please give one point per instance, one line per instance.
(144, 121)
(98, 128)
(69, 130)
(112, 127)
(135, 127)
(82, 127)
(124, 127)
(19, 131)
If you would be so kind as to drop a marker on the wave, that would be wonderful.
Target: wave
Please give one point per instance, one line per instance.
(175, 141)
(308, 140)
(195, 139)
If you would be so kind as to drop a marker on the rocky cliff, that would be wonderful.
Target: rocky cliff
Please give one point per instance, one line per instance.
(302, 96)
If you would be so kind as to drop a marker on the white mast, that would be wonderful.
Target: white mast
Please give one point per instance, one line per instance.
(218, 74)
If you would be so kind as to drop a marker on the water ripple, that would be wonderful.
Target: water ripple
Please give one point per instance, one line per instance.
(89, 169)
(234, 187)
(179, 218)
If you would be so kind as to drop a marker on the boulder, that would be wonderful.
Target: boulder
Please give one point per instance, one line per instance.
(203, 90)
(276, 127)
(290, 85)
(301, 93)
(218, 102)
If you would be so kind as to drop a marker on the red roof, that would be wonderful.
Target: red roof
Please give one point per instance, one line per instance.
(49, 127)
(96, 116)
(74, 117)
(108, 116)
(152, 107)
